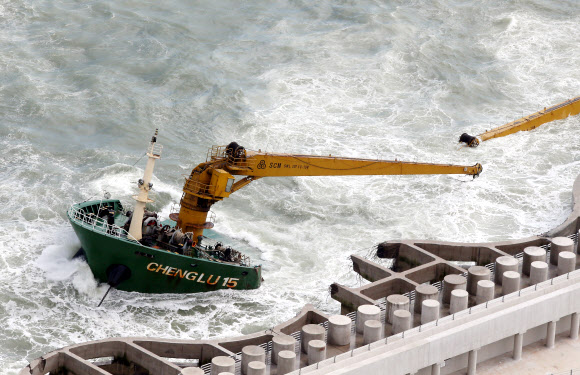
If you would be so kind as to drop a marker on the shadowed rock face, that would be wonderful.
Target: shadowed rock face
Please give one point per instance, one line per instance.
(388, 250)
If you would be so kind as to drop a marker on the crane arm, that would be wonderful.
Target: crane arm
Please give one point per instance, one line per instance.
(284, 165)
(557, 112)
(214, 180)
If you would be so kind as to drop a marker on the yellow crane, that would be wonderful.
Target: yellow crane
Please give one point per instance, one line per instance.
(214, 180)
(557, 112)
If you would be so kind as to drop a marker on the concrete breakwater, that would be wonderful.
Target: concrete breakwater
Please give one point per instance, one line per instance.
(430, 308)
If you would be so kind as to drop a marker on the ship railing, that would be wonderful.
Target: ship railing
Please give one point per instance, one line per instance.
(204, 249)
(196, 187)
(233, 161)
(155, 149)
(92, 221)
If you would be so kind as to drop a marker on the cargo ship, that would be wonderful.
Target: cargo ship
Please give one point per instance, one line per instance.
(137, 250)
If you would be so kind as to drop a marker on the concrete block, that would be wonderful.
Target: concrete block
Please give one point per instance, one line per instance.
(475, 274)
(256, 368)
(396, 302)
(339, 328)
(311, 332)
(503, 264)
(364, 313)
(252, 353)
(558, 245)
(566, 262)
(532, 254)
(538, 272)
(401, 321)
(221, 364)
(373, 331)
(452, 282)
(286, 362)
(316, 351)
(511, 282)
(459, 300)
(430, 311)
(281, 342)
(423, 292)
(485, 291)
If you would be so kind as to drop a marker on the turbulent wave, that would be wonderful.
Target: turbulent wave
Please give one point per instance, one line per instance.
(85, 85)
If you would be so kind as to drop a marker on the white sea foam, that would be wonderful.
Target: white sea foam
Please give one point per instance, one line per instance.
(86, 86)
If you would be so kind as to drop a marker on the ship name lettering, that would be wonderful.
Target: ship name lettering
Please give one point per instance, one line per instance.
(229, 282)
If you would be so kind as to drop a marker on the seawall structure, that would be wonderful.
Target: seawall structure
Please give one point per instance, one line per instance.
(465, 317)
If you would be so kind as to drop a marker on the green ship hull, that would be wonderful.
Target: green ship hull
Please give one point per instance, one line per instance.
(151, 269)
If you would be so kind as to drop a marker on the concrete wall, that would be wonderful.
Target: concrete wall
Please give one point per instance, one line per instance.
(488, 330)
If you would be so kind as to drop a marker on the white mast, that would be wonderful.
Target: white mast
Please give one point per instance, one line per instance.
(154, 153)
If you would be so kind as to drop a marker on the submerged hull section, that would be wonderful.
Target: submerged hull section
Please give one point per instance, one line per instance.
(155, 270)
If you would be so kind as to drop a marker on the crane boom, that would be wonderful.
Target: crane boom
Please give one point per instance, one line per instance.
(285, 165)
(214, 180)
(556, 112)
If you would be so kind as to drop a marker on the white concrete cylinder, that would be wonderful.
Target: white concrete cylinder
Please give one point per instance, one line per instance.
(364, 313)
(281, 342)
(339, 328)
(252, 353)
(532, 254)
(474, 275)
(256, 368)
(574, 326)
(221, 364)
(373, 331)
(401, 321)
(286, 362)
(423, 292)
(485, 291)
(316, 351)
(538, 272)
(560, 244)
(518, 343)
(511, 282)
(430, 311)
(551, 334)
(503, 264)
(192, 371)
(566, 262)
(471, 362)
(436, 369)
(396, 302)
(452, 282)
(311, 332)
(459, 300)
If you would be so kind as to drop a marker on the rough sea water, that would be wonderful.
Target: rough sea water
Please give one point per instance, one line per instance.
(83, 86)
